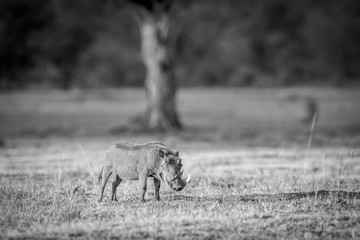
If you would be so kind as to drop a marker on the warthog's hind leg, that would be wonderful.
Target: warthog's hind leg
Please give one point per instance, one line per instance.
(105, 177)
(142, 183)
(115, 184)
(157, 183)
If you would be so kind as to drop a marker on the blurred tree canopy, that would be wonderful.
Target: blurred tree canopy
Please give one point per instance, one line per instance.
(19, 20)
(91, 43)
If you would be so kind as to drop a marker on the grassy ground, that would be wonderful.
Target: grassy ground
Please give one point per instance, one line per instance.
(252, 173)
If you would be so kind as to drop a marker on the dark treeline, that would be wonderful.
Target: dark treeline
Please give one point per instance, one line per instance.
(92, 43)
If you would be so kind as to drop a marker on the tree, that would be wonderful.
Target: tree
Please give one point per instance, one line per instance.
(155, 19)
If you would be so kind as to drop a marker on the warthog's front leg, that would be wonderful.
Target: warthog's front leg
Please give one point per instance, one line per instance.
(157, 183)
(142, 183)
(115, 184)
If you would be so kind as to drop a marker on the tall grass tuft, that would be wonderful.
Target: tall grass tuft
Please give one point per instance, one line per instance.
(88, 164)
(312, 129)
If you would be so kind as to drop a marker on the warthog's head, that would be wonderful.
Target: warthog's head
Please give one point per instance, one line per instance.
(171, 171)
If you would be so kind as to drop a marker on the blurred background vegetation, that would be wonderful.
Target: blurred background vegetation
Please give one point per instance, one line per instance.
(92, 43)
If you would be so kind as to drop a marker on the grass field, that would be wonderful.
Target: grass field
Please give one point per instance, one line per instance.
(253, 174)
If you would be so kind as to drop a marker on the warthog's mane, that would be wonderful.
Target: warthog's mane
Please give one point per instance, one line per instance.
(135, 146)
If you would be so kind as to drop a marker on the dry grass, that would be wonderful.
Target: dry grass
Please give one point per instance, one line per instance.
(247, 182)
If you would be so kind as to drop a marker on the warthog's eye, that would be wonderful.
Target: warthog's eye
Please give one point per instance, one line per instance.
(161, 153)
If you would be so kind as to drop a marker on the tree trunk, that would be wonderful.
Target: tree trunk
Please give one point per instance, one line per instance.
(160, 80)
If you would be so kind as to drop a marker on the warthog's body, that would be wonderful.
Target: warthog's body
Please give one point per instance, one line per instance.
(138, 162)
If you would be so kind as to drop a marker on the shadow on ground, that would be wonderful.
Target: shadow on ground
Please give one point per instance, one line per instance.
(322, 194)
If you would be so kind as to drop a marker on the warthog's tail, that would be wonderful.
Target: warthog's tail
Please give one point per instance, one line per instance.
(100, 174)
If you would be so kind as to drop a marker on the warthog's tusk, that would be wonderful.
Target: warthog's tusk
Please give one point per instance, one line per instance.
(166, 179)
(178, 175)
(188, 179)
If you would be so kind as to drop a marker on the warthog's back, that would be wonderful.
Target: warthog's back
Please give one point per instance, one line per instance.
(135, 146)
(128, 159)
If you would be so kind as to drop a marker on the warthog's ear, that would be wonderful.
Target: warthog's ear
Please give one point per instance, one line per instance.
(161, 153)
(177, 153)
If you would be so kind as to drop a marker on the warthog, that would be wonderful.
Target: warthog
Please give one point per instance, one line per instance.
(138, 162)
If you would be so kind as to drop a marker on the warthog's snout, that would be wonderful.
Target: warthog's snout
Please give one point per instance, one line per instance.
(177, 183)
